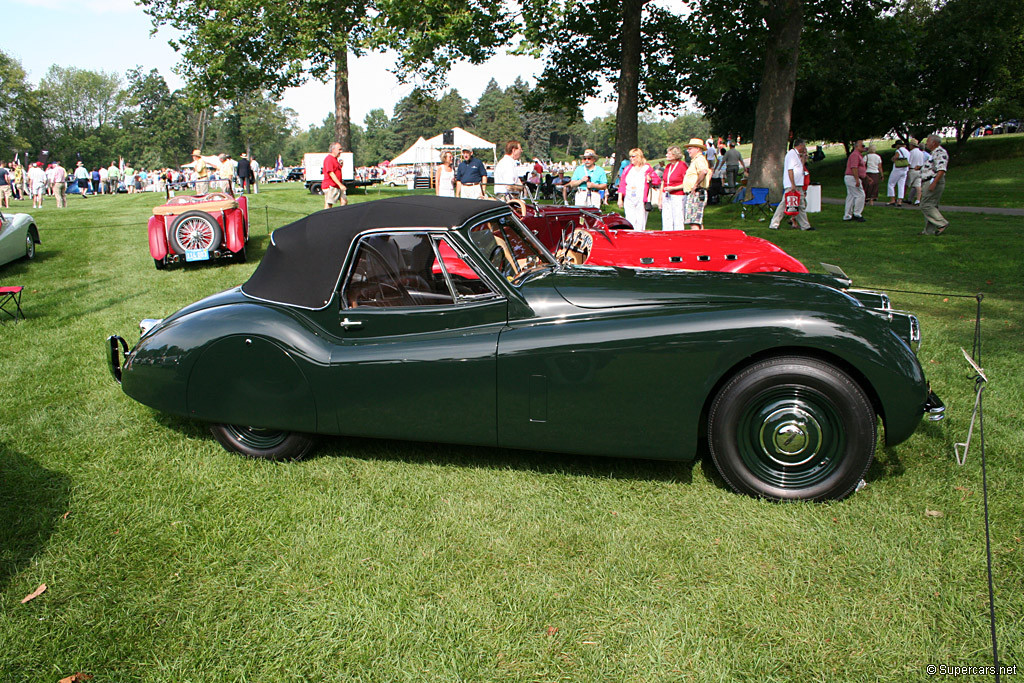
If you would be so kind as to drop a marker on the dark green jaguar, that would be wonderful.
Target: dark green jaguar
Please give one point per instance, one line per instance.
(438, 319)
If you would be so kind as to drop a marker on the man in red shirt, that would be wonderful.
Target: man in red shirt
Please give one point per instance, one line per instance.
(856, 172)
(332, 185)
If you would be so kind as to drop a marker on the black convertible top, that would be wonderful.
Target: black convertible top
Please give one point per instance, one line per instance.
(304, 260)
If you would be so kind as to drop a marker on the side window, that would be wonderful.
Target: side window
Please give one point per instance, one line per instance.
(465, 281)
(396, 269)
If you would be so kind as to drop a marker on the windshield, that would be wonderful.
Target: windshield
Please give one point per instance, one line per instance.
(510, 247)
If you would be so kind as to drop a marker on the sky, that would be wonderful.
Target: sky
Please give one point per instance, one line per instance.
(114, 36)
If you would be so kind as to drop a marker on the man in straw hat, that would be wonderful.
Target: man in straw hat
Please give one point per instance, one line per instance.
(202, 172)
(589, 180)
(695, 185)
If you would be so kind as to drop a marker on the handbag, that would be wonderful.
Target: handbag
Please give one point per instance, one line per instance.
(792, 203)
(648, 207)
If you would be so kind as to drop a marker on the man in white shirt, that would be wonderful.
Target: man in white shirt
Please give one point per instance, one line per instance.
(506, 171)
(914, 171)
(793, 179)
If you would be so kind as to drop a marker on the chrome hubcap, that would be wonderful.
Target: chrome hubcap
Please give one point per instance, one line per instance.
(790, 436)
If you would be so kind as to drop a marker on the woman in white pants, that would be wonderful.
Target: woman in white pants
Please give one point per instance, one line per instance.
(898, 177)
(672, 197)
(635, 184)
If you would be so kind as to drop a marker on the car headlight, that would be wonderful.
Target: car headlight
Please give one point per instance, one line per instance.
(146, 324)
(871, 299)
(907, 327)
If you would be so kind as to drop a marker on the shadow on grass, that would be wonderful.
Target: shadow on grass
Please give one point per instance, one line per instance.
(23, 266)
(32, 500)
(473, 457)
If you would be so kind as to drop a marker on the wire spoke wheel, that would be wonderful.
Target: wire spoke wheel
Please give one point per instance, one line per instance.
(195, 230)
(194, 234)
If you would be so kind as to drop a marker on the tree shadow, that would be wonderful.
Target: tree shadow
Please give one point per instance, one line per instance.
(32, 500)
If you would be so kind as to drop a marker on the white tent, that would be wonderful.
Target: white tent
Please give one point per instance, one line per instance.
(420, 153)
(429, 151)
(463, 138)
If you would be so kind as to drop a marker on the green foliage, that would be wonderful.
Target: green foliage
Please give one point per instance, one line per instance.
(583, 55)
(18, 102)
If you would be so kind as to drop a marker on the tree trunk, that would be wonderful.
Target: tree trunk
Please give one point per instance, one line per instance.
(775, 101)
(342, 128)
(627, 111)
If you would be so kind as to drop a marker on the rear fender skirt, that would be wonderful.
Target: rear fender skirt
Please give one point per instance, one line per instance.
(234, 231)
(157, 237)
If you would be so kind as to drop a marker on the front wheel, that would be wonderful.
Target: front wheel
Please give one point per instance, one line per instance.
(265, 444)
(792, 428)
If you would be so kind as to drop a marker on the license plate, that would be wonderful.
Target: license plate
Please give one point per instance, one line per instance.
(197, 255)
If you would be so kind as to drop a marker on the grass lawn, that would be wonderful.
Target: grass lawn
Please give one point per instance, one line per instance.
(168, 559)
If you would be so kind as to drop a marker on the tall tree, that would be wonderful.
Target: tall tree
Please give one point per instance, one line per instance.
(744, 72)
(18, 101)
(156, 123)
(634, 45)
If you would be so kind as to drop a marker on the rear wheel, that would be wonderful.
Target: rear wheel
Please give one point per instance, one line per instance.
(265, 444)
(195, 230)
(792, 428)
(159, 263)
(30, 245)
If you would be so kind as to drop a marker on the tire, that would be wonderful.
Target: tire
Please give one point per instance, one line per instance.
(159, 263)
(195, 230)
(264, 444)
(792, 428)
(30, 246)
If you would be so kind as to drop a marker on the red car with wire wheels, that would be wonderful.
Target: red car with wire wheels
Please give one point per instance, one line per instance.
(610, 240)
(194, 228)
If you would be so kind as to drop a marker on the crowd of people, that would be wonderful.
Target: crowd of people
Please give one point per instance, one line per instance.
(50, 179)
(917, 176)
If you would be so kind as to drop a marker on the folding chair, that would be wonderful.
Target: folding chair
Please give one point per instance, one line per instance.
(759, 200)
(10, 297)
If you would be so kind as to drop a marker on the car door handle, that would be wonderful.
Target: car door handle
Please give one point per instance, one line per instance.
(351, 324)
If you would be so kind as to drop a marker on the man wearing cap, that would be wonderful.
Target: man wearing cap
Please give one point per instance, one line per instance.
(589, 180)
(695, 185)
(933, 181)
(914, 171)
(202, 173)
(470, 176)
(244, 171)
(82, 179)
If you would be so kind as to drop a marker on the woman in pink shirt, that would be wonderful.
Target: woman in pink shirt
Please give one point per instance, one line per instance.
(635, 184)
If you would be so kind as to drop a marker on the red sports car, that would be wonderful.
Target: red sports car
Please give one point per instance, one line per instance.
(199, 228)
(609, 240)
